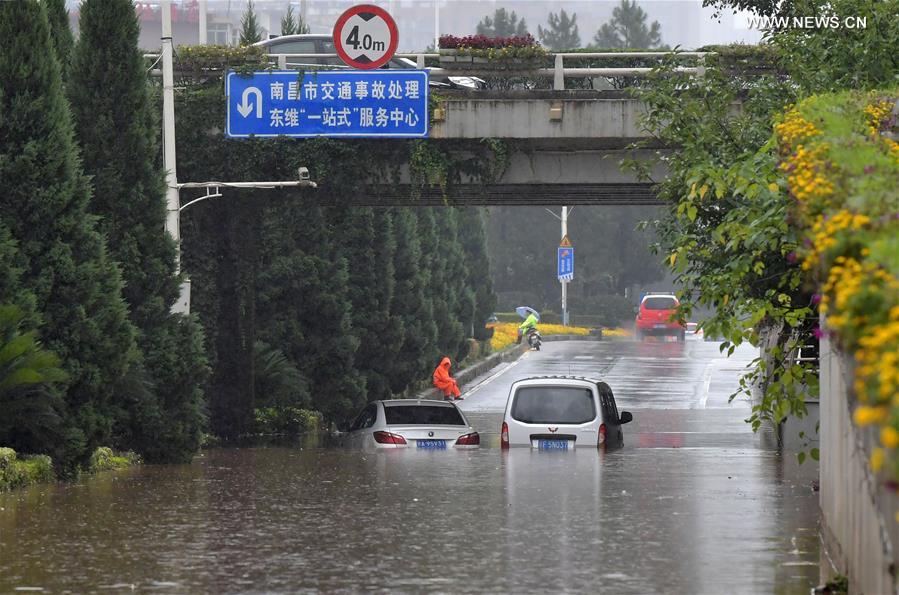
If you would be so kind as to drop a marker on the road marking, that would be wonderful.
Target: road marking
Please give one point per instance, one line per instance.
(496, 375)
(707, 382)
(584, 357)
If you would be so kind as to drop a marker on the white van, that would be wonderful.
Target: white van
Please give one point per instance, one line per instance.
(562, 413)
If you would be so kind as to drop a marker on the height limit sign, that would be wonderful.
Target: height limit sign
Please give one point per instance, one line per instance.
(365, 37)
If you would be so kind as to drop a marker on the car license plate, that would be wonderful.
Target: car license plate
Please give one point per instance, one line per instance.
(431, 444)
(552, 444)
(660, 326)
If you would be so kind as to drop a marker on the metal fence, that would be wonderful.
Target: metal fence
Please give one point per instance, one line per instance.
(558, 73)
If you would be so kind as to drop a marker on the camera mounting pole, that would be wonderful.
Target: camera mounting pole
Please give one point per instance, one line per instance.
(173, 199)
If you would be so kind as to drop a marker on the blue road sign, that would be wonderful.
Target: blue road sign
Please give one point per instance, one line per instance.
(565, 266)
(350, 103)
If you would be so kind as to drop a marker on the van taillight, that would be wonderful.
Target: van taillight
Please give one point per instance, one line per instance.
(388, 438)
(602, 434)
(469, 439)
(504, 436)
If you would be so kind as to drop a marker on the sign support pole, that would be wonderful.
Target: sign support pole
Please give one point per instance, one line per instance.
(202, 23)
(564, 282)
(173, 202)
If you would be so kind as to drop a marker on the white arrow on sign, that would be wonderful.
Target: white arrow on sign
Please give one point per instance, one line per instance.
(246, 107)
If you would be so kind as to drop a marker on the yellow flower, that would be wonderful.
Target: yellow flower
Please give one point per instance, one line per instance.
(876, 459)
(865, 416)
(889, 437)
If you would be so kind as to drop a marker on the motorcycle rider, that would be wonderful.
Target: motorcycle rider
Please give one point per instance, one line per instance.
(530, 323)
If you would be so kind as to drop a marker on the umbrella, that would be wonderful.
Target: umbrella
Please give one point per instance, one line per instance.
(523, 311)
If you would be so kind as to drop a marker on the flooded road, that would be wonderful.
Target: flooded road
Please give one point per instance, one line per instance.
(692, 504)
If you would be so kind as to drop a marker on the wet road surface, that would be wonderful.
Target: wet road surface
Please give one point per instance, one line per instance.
(692, 504)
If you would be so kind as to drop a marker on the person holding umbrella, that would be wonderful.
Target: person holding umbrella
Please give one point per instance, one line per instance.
(531, 318)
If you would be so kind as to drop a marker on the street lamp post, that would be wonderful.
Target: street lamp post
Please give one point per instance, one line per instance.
(173, 188)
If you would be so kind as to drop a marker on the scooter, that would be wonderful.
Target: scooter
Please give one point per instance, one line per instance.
(534, 339)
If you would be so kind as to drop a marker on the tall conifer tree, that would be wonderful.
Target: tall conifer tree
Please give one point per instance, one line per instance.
(60, 33)
(473, 239)
(115, 123)
(369, 255)
(415, 359)
(44, 203)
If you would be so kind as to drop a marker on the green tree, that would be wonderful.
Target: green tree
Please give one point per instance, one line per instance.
(627, 29)
(250, 30)
(304, 306)
(503, 24)
(292, 24)
(562, 33)
(410, 304)
(473, 238)
(366, 242)
(60, 33)
(117, 127)
(44, 204)
(450, 284)
(29, 378)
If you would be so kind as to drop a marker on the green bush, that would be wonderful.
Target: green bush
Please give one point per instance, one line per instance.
(104, 459)
(16, 473)
(38, 469)
(287, 421)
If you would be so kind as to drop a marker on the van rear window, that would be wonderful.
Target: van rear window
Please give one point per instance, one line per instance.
(422, 415)
(660, 303)
(553, 405)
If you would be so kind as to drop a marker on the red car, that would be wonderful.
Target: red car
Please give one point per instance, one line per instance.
(655, 317)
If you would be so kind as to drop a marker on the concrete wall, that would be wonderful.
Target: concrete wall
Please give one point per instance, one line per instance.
(856, 514)
(562, 117)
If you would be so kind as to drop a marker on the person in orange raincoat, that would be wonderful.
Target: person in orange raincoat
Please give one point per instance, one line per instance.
(446, 383)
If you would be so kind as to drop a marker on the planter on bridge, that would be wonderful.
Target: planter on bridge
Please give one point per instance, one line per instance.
(452, 59)
(521, 52)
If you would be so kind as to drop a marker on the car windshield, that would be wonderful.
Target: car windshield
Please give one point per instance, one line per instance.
(660, 303)
(554, 405)
(422, 415)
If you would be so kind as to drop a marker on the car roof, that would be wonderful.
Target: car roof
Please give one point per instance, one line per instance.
(564, 380)
(296, 37)
(410, 402)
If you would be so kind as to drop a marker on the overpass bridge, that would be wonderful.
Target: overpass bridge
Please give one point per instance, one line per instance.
(565, 146)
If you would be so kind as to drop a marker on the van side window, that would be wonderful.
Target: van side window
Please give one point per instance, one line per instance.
(607, 401)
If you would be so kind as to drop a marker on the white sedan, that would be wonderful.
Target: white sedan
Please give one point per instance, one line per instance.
(411, 423)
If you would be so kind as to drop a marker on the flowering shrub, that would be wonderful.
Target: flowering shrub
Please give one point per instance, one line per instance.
(519, 47)
(505, 333)
(842, 169)
(482, 42)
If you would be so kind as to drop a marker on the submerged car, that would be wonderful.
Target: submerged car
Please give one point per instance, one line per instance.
(312, 43)
(693, 331)
(562, 413)
(655, 317)
(411, 423)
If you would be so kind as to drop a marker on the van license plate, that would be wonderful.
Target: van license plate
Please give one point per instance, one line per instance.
(552, 444)
(431, 444)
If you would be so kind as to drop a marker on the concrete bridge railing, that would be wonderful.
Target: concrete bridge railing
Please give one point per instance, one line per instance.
(858, 529)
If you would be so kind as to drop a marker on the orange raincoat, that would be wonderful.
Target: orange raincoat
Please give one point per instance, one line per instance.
(443, 381)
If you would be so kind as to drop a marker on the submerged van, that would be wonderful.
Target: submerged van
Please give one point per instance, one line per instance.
(562, 413)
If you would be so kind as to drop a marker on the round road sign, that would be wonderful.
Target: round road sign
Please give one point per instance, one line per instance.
(365, 37)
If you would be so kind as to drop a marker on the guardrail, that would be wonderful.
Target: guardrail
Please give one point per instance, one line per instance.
(558, 72)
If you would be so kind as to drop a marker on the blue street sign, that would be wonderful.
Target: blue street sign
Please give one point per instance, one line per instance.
(565, 266)
(351, 103)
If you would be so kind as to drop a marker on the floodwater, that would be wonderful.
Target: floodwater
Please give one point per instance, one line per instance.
(692, 504)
